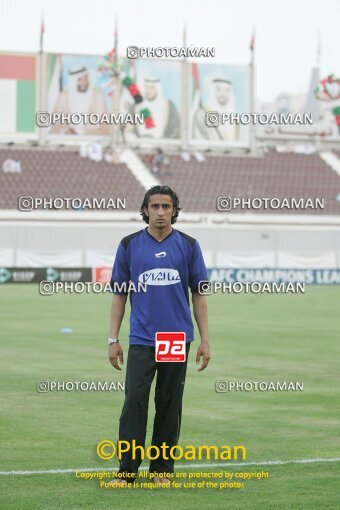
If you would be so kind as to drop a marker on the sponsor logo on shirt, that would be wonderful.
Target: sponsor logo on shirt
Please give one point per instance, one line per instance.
(160, 254)
(160, 276)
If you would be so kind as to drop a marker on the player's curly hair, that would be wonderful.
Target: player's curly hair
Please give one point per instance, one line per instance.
(161, 190)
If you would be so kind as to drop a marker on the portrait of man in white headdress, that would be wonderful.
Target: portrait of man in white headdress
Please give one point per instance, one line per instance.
(221, 100)
(163, 112)
(80, 96)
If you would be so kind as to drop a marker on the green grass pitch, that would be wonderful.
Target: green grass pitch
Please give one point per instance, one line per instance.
(292, 337)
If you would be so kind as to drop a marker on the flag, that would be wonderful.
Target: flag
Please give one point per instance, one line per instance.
(318, 50)
(18, 88)
(42, 31)
(185, 43)
(116, 41)
(196, 93)
(252, 41)
(252, 47)
(196, 102)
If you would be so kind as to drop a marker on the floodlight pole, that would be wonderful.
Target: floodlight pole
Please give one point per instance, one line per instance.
(115, 102)
(184, 81)
(252, 134)
(42, 83)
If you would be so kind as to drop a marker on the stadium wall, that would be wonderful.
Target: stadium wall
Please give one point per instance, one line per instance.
(239, 242)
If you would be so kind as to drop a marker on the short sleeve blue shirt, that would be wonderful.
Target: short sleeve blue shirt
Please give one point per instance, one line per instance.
(167, 270)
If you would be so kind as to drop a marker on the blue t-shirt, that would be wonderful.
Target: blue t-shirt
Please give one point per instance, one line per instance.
(168, 268)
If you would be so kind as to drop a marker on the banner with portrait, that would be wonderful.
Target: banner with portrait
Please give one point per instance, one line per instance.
(216, 92)
(159, 84)
(74, 86)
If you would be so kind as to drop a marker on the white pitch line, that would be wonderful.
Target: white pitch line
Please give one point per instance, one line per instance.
(180, 466)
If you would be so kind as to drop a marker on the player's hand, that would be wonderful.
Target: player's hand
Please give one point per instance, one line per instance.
(115, 352)
(204, 352)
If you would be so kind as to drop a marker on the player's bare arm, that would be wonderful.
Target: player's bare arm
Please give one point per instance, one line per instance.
(201, 317)
(117, 314)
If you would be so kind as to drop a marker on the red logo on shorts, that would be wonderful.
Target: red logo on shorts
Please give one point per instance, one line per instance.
(170, 346)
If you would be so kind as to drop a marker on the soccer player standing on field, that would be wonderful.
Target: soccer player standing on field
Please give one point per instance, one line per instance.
(170, 263)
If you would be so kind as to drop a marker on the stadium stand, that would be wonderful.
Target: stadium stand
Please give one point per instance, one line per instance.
(273, 175)
(63, 173)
